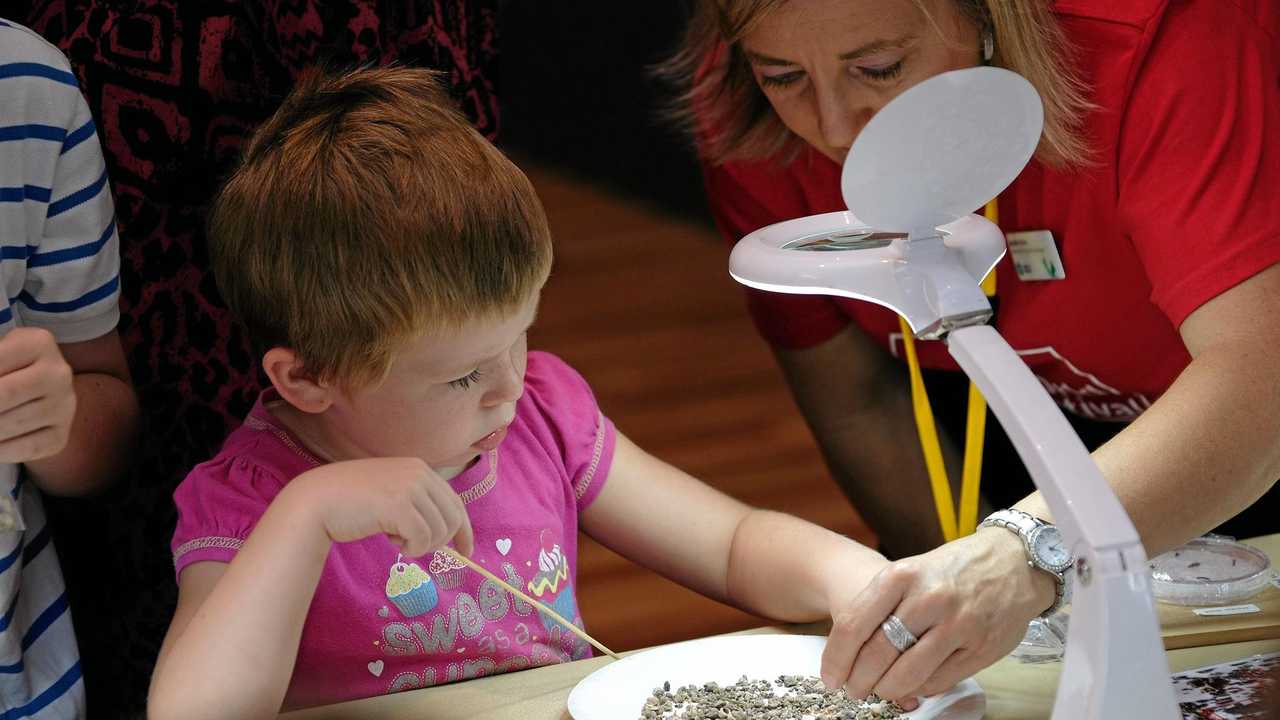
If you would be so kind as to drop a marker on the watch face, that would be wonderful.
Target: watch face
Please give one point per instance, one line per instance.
(1049, 549)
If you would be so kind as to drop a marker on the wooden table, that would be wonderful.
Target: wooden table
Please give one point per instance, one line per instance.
(1015, 691)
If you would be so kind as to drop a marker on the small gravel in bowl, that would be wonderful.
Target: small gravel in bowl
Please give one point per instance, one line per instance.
(790, 697)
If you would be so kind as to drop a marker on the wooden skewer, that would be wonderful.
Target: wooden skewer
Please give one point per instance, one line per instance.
(515, 591)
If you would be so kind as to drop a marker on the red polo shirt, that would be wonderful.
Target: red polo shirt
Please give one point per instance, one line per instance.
(1181, 204)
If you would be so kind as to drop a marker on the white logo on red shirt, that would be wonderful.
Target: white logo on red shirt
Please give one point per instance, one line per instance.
(1080, 392)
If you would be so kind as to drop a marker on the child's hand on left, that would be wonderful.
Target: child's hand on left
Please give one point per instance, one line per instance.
(37, 398)
(402, 498)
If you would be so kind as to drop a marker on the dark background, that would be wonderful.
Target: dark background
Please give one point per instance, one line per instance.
(577, 93)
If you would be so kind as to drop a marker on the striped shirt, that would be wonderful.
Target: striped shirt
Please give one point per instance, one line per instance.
(59, 267)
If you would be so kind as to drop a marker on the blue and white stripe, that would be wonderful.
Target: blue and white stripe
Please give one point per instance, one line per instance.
(60, 270)
(39, 666)
(59, 255)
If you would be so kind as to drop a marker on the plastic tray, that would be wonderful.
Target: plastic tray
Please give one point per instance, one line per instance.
(1209, 571)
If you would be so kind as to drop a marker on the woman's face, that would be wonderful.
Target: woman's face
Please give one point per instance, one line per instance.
(827, 66)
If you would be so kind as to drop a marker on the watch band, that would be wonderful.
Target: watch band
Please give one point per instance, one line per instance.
(1023, 524)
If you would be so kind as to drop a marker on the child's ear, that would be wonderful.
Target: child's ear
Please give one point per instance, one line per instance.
(296, 385)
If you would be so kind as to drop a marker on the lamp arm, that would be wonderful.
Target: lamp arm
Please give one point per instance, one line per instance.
(1115, 667)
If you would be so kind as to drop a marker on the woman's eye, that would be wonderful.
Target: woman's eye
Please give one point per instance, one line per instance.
(464, 382)
(882, 72)
(781, 80)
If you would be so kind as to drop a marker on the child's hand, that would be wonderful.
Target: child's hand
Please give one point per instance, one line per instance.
(401, 497)
(37, 399)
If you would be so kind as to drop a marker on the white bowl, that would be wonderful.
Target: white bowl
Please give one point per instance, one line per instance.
(618, 690)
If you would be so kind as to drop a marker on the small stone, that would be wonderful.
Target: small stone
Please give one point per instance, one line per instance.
(789, 697)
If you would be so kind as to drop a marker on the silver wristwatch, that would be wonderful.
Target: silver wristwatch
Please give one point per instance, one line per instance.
(1044, 547)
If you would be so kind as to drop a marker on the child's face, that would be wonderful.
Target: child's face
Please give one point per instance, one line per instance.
(448, 397)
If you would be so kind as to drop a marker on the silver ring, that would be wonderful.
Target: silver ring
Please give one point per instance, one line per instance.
(898, 634)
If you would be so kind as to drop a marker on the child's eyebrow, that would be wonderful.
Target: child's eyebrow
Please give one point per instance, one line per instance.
(532, 321)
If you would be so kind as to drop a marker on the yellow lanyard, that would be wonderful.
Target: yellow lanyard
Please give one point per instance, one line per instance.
(975, 431)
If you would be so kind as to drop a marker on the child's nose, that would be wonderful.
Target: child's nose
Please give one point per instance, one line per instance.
(507, 386)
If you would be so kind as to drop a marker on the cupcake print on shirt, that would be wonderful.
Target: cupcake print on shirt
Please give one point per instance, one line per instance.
(410, 589)
(551, 585)
(447, 570)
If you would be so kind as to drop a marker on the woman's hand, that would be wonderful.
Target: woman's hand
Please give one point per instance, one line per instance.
(402, 498)
(968, 604)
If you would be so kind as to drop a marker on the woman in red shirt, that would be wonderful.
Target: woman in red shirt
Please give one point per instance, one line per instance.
(1157, 175)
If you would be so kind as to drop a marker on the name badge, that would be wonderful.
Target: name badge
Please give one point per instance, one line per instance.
(1035, 255)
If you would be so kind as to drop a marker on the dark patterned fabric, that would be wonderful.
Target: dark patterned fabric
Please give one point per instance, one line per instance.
(175, 88)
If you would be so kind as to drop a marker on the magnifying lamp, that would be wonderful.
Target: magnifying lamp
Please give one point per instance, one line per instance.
(913, 178)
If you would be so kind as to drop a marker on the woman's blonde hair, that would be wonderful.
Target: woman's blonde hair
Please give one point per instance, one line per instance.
(366, 212)
(720, 101)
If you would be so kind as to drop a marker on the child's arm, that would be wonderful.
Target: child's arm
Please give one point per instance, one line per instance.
(85, 411)
(233, 641)
(764, 562)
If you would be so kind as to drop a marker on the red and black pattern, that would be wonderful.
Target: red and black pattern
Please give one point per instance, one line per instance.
(175, 89)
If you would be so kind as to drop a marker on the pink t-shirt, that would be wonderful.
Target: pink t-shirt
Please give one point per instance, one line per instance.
(380, 623)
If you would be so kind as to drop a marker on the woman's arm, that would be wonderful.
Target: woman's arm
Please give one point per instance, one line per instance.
(853, 395)
(1210, 445)
(764, 562)
(856, 401)
(1200, 454)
